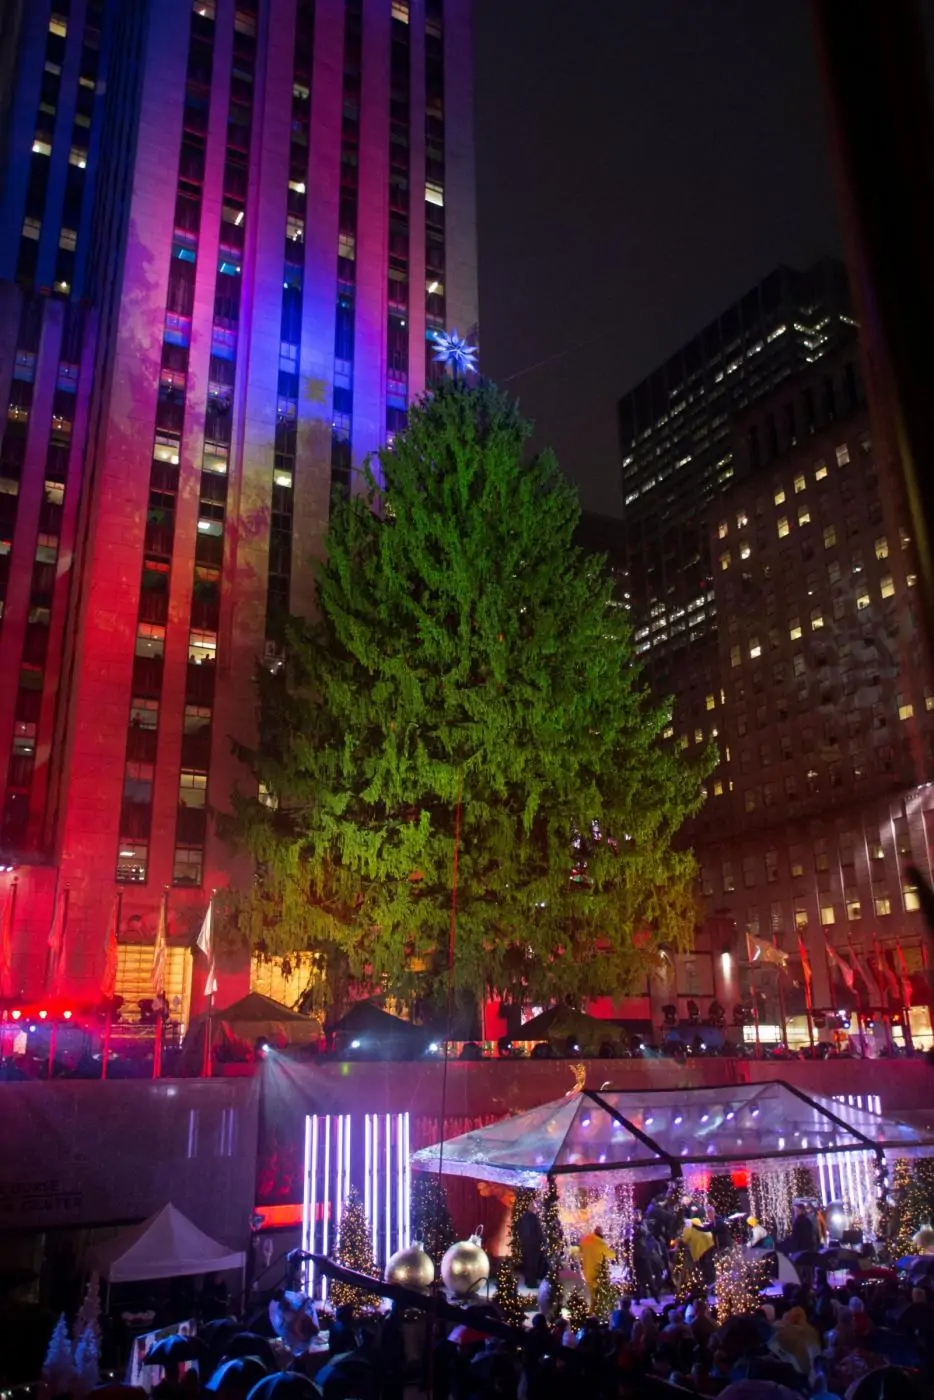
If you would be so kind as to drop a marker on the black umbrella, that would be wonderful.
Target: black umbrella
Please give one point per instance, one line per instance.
(347, 1374)
(251, 1344)
(173, 1350)
(237, 1376)
(285, 1386)
(836, 1257)
(217, 1333)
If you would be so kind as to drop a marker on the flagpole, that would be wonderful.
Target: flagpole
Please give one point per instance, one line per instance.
(109, 1020)
(9, 914)
(207, 1064)
(781, 994)
(160, 992)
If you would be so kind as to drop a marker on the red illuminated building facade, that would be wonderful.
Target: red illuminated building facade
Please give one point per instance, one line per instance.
(228, 234)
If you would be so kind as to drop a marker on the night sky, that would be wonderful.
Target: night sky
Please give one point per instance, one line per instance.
(641, 163)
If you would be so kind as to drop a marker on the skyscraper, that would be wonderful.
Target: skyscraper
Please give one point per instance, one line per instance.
(229, 232)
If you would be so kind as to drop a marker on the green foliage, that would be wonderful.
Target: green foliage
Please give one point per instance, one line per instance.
(467, 657)
(432, 1225)
(554, 1243)
(354, 1251)
(605, 1293)
(918, 1197)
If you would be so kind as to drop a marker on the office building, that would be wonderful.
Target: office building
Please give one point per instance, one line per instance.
(229, 231)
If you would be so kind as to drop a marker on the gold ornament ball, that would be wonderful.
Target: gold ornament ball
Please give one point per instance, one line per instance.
(465, 1267)
(410, 1268)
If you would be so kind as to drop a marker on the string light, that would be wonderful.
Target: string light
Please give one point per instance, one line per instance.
(737, 1284)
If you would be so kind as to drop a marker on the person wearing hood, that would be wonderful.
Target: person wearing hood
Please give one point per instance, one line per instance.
(797, 1339)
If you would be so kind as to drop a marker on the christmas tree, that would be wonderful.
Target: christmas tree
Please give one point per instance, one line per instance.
(354, 1252)
(803, 1184)
(900, 1227)
(554, 1244)
(605, 1293)
(89, 1313)
(722, 1196)
(738, 1280)
(576, 1309)
(468, 667)
(507, 1295)
(87, 1361)
(58, 1371)
(432, 1225)
(919, 1197)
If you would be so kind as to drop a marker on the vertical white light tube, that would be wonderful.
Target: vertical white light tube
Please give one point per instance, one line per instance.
(823, 1181)
(366, 1167)
(400, 1184)
(339, 1178)
(375, 1220)
(346, 1157)
(388, 1191)
(408, 1180)
(310, 1276)
(306, 1199)
(326, 1198)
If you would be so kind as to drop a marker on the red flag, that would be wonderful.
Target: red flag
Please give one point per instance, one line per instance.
(905, 976)
(884, 974)
(159, 954)
(842, 966)
(6, 944)
(872, 986)
(111, 954)
(56, 963)
(805, 969)
(759, 951)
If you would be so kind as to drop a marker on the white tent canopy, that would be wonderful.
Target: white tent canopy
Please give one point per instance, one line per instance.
(653, 1134)
(167, 1245)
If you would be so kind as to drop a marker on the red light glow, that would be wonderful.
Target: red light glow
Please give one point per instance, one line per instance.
(43, 1015)
(66, 1015)
(16, 1014)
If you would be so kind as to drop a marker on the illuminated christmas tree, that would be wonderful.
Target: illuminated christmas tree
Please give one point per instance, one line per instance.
(89, 1313)
(87, 1361)
(507, 1295)
(722, 1196)
(431, 1216)
(58, 1370)
(605, 1293)
(919, 1197)
(803, 1183)
(354, 1252)
(554, 1243)
(737, 1284)
(576, 1309)
(900, 1225)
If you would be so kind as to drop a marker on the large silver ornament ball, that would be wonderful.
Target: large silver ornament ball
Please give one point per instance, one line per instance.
(465, 1268)
(411, 1268)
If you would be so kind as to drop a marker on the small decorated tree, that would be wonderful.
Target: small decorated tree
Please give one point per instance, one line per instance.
(354, 1252)
(919, 1197)
(605, 1293)
(507, 1295)
(900, 1231)
(576, 1309)
(803, 1183)
(89, 1313)
(722, 1196)
(738, 1280)
(431, 1216)
(87, 1361)
(58, 1371)
(554, 1244)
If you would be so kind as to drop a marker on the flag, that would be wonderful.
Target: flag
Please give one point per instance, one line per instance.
(838, 961)
(805, 969)
(159, 954)
(6, 944)
(111, 954)
(206, 945)
(872, 986)
(886, 978)
(56, 958)
(905, 976)
(759, 951)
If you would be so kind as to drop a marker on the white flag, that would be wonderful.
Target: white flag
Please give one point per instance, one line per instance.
(206, 945)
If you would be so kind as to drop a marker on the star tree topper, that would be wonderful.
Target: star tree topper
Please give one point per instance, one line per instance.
(452, 349)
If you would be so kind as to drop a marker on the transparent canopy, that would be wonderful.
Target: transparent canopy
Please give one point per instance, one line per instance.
(651, 1135)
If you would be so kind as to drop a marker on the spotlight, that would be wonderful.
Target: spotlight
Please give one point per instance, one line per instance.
(66, 1015)
(15, 1014)
(836, 1220)
(505, 1047)
(678, 1119)
(355, 1045)
(262, 1046)
(433, 1049)
(43, 1015)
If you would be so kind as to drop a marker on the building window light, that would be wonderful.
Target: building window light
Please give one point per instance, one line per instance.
(725, 559)
(297, 186)
(905, 708)
(887, 586)
(817, 619)
(754, 647)
(434, 193)
(843, 455)
(41, 148)
(281, 478)
(882, 547)
(58, 25)
(79, 157)
(32, 228)
(830, 536)
(192, 788)
(862, 601)
(820, 471)
(735, 656)
(710, 702)
(804, 515)
(883, 904)
(723, 529)
(744, 550)
(779, 497)
(347, 246)
(68, 239)
(400, 11)
(783, 527)
(800, 483)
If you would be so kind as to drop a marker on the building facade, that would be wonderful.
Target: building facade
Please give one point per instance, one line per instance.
(229, 233)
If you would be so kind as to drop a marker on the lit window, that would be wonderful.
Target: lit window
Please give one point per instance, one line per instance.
(698, 736)
(817, 619)
(804, 515)
(882, 547)
(854, 908)
(68, 239)
(742, 519)
(41, 148)
(717, 788)
(132, 860)
(725, 559)
(682, 741)
(779, 497)
(801, 913)
(47, 549)
(735, 656)
(79, 157)
(434, 193)
(910, 897)
(400, 10)
(202, 647)
(297, 186)
(929, 702)
(187, 865)
(783, 527)
(347, 246)
(744, 550)
(710, 702)
(150, 639)
(281, 478)
(911, 580)
(800, 483)
(794, 628)
(862, 601)
(830, 536)
(58, 25)
(887, 586)
(882, 903)
(215, 458)
(754, 647)
(668, 732)
(32, 228)
(843, 455)
(197, 719)
(723, 529)
(820, 471)
(905, 708)
(827, 915)
(295, 229)
(144, 713)
(55, 492)
(192, 788)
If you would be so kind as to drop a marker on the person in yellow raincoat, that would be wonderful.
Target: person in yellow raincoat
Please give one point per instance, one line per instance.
(700, 1243)
(593, 1250)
